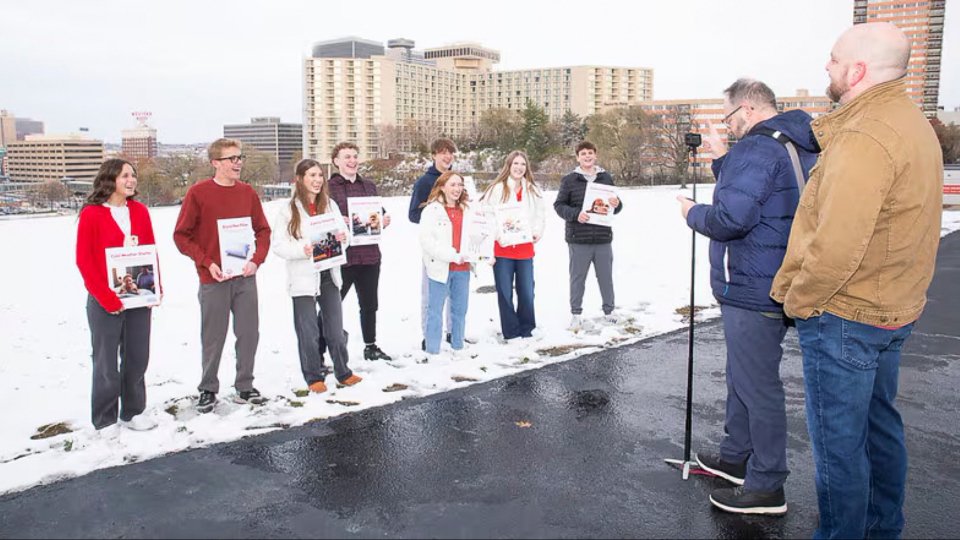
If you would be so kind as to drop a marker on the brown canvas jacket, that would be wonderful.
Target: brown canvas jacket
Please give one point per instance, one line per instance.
(865, 236)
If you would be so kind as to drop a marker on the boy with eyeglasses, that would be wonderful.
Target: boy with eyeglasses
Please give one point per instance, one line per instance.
(207, 203)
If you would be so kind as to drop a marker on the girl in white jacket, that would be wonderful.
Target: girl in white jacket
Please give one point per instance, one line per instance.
(517, 205)
(441, 225)
(308, 287)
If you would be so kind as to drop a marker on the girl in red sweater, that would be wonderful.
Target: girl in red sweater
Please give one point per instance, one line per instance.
(111, 218)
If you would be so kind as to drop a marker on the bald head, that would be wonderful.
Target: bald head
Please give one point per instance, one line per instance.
(865, 56)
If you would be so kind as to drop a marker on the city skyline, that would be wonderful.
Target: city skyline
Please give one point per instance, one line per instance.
(200, 67)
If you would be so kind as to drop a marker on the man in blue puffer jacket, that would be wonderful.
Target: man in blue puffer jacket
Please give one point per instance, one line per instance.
(748, 225)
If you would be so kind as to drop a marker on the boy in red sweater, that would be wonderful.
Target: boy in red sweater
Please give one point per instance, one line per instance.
(207, 204)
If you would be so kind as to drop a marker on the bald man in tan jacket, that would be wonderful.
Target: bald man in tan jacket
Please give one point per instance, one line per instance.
(860, 258)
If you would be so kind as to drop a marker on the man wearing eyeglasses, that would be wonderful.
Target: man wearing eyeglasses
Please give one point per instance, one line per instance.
(210, 209)
(748, 225)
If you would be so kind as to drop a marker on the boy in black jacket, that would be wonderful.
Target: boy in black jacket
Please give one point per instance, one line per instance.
(587, 243)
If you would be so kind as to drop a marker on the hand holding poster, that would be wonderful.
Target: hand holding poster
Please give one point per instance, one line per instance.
(366, 220)
(596, 203)
(132, 274)
(237, 245)
(328, 250)
(476, 240)
(514, 227)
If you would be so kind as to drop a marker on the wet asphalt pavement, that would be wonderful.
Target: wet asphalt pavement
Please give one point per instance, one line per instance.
(458, 465)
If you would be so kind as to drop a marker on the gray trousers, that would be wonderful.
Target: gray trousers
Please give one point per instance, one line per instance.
(581, 255)
(129, 335)
(217, 300)
(756, 421)
(425, 301)
(307, 323)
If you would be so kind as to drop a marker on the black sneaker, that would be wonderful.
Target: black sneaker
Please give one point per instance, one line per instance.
(206, 402)
(250, 396)
(728, 470)
(741, 500)
(372, 352)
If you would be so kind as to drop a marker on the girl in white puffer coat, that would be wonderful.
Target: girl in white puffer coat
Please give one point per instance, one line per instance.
(307, 287)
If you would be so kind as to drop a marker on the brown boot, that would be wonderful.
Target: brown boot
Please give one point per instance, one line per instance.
(351, 380)
(318, 387)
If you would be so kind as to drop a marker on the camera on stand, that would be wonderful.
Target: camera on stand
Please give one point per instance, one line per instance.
(693, 140)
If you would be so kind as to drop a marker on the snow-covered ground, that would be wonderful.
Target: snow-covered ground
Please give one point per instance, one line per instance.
(45, 361)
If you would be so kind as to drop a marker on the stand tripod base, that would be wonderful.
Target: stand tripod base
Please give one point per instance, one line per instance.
(688, 467)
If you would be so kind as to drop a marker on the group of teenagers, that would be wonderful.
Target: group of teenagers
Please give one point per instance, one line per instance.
(830, 225)
(111, 217)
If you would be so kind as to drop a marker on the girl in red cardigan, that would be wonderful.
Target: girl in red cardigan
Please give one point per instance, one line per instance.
(111, 218)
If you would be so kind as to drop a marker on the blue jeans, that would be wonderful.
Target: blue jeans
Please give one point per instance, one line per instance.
(850, 371)
(457, 288)
(519, 321)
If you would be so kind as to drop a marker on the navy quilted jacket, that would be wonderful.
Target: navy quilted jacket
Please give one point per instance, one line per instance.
(754, 202)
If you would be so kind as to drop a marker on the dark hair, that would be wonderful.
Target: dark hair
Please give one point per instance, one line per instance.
(300, 194)
(752, 91)
(440, 145)
(105, 184)
(586, 145)
(340, 146)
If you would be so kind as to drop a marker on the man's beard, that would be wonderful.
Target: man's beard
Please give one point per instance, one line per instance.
(836, 90)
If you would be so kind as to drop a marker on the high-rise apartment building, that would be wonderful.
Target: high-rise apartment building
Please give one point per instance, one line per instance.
(695, 115)
(922, 22)
(268, 134)
(356, 90)
(44, 158)
(139, 142)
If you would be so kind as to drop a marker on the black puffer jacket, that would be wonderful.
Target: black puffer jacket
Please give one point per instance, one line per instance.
(569, 204)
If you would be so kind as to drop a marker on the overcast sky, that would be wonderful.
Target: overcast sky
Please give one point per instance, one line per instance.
(197, 65)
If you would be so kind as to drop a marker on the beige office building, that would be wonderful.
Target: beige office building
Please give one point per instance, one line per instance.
(357, 90)
(44, 158)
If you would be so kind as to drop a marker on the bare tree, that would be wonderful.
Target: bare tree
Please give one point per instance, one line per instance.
(52, 192)
(624, 139)
(259, 168)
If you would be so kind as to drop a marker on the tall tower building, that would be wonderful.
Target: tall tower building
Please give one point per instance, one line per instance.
(359, 91)
(140, 142)
(922, 22)
(268, 134)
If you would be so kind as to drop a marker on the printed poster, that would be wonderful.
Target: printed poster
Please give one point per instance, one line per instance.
(596, 203)
(476, 240)
(237, 244)
(470, 186)
(328, 250)
(514, 227)
(132, 274)
(366, 220)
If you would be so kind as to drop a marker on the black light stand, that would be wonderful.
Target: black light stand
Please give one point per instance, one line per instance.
(692, 141)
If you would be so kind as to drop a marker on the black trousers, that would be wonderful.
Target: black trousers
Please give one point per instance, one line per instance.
(366, 278)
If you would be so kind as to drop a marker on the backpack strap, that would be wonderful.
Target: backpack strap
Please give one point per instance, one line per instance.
(791, 149)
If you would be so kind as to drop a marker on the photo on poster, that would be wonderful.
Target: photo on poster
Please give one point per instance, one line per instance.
(328, 250)
(237, 244)
(132, 274)
(596, 203)
(476, 241)
(366, 220)
(514, 227)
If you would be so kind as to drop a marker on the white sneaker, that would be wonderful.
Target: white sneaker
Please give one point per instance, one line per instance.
(611, 318)
(575, 323)
(536, 334)
(108, 433)
(139, 423)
